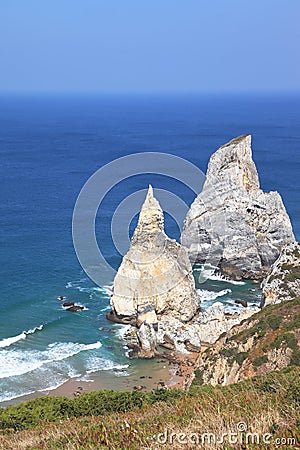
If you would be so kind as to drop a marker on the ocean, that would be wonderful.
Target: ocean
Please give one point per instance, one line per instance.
(49, 147)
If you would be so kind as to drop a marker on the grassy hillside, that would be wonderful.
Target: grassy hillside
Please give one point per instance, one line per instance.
(267, 341)
(268, 406)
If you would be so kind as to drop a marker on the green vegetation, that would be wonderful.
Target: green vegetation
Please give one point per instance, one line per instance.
(112, 420)
(198, 380)
(296, 253)
(260, 360)
(290, 274)
(240, 357)
(286, 266)
(287, 338)
(234, 355)
(267, 404)
(283, 317)
(295, 359)
(275, 277)
(293, 274)
(292, 324)
(274, 321)
(97, 403)
(275, 326)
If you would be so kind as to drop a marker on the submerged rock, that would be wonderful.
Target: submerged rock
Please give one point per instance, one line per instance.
(66, 304)
(242, 302)
(75, 308)
(232, 223)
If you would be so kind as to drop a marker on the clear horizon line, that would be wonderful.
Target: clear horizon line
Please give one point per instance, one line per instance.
(149, 92)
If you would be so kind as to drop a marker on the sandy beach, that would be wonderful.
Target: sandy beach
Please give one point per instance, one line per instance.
(168, 371)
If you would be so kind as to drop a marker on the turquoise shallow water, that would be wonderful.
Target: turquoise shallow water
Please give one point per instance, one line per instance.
(48, 148)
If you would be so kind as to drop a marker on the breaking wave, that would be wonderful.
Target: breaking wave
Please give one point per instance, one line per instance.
(17, 362)
(220, 277)
(211, 295)
(7, 342)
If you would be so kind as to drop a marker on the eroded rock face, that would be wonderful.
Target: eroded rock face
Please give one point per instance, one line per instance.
(154, 280)
(147, 341)
(232, 223)
(214, 321)
(283, 282)
(258, 345)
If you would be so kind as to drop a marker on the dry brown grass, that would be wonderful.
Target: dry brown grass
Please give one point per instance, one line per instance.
(208, 410)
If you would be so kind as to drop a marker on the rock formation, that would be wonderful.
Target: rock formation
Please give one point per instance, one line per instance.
(232, 223)
(214, 321)
(283, 282)
(269, 340)
(154, 280)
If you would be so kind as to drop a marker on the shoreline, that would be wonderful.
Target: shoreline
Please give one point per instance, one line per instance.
(168, 371)
(176, 373)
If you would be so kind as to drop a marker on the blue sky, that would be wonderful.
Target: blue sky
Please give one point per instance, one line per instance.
(149, 45)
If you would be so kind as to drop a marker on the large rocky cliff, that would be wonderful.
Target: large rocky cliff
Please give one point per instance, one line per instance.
(269, 340)
(154, 290)
(232, 223)
(266, 341)
(154, 281)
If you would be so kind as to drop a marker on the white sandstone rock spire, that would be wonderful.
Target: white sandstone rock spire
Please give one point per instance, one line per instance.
(155, 276)
(233, 223)
(151, 218)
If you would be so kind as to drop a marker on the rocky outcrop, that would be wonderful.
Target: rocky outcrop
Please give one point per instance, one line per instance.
(214, 321)
(154, 280)
(283, 282)
(269, 340)
(147, 341)
(232, 223)
(154, 291)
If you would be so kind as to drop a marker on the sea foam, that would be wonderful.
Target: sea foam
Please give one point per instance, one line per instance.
(211, 295)
(220, 277)
(16, 362)
(7, 342)
(209, 272)
(95, 364)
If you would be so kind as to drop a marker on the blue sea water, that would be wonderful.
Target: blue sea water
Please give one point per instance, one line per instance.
(49, 147)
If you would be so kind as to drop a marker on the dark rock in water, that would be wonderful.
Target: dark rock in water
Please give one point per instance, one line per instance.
(118, 318)
(66, 304)
(75, 308)
(241, 302)
(132, 345)
(232, 223)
